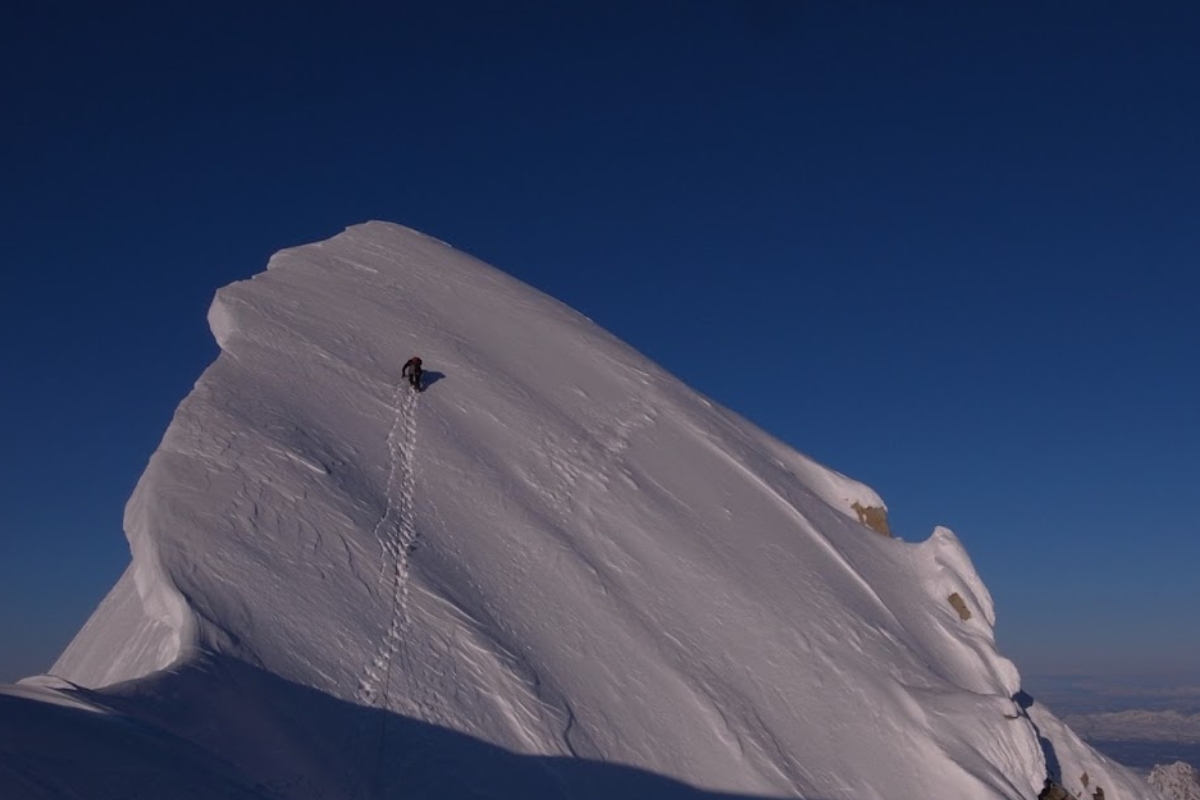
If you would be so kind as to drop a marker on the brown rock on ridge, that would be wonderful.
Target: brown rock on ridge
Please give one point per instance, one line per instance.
(873, 517)
(1053, 791)
(960, 606)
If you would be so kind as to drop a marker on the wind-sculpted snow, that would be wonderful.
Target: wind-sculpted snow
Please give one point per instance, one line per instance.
(557, 551)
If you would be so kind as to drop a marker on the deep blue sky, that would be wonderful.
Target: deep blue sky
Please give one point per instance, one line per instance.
(950, 249)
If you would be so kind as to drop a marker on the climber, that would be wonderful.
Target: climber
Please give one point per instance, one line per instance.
(412, 371)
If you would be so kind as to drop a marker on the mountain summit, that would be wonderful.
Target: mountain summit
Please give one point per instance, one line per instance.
(556, 572)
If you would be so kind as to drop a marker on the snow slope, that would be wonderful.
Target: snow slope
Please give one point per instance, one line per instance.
(558, 569)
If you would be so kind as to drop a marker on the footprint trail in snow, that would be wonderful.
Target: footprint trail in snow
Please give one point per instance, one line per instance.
(397, 535)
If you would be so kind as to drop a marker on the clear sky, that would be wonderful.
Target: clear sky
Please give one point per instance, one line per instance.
(950, 249)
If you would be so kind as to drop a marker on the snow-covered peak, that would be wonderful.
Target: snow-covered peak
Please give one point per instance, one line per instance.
(557, 549)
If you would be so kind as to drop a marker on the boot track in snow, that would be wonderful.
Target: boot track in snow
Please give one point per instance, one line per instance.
(397, 536)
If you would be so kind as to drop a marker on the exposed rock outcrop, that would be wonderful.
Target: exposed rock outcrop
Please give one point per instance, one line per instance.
(1178, 781)
(960, 606)
(1054, 791)
(874, 517)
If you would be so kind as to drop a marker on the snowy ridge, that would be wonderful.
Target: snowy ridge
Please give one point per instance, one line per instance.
(149, 642)
(583, 562)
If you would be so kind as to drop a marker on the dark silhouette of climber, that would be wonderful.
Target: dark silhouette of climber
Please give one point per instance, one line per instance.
(412, 371)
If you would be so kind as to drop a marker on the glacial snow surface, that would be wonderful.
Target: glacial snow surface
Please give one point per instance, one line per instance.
(557, 572)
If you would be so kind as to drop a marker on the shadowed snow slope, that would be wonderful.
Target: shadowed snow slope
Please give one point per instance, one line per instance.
(557, 551)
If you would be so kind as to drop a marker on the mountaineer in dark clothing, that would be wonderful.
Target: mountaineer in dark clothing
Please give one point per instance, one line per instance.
(412, 371)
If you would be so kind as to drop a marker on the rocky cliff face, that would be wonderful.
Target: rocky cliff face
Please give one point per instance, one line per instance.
(1178, 781)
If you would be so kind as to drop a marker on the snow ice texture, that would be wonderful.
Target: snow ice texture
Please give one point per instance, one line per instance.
(557, 572)
(1178, 781)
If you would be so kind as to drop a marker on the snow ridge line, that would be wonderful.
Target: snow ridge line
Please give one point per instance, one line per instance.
(396, 534)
